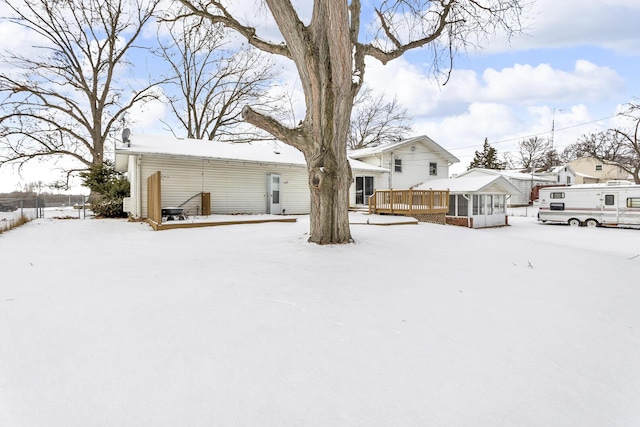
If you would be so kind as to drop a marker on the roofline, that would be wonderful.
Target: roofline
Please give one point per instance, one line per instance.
(383, 148)
(128, 152)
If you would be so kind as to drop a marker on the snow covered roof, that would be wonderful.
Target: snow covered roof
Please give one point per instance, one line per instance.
(507, 173)
(389, 146)
(259, 152)
(495, 184)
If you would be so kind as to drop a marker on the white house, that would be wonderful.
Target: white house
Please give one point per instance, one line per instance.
(524, 182)
(561, 175)
(409, 162)
(249, 178)
(476, 201)
(262, 177)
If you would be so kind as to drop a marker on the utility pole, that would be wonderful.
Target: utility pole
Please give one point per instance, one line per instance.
(553, 125)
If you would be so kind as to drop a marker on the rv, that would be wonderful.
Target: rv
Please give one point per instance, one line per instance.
(613, 204)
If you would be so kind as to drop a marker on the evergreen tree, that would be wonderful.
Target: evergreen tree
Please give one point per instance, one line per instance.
(487, 158)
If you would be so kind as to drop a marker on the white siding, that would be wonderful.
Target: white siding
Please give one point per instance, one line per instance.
(235, 186)
(415, 166)
(380, 182)
(521, 199)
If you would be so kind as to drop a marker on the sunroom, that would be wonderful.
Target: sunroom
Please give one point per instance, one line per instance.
(475, 202)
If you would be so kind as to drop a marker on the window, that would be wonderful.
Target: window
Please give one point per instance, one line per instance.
(501, 199)
(556, 195)
(609, 199)
(452, 205)
(433, 168)
(478, 204)
(496, 204)
(633, 202)
(398, 165)
(598, 167)
(556, 206)
(463, 205)
(364, 189)
(568, 180)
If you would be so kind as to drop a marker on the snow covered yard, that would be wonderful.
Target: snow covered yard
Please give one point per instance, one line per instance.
(107, 323)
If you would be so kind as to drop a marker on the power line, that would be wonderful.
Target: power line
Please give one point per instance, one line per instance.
(534, 134)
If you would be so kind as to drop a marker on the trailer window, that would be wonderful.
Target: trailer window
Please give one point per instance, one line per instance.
(609, 199)
(633, 202)
(556, 206)
(557, 195)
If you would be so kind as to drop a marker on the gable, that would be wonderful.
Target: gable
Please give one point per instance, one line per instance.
(420, 143)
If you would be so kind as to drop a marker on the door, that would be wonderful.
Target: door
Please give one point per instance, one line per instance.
(273, 194)
(364, 189)
(609, 208)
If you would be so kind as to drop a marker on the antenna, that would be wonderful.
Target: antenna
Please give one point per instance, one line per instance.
(126, 134)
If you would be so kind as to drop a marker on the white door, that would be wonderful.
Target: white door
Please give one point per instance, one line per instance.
(273, 194)
(609, 208)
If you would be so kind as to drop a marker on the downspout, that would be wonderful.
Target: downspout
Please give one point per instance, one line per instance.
(391, 168)
(469, 205)
(139, 185)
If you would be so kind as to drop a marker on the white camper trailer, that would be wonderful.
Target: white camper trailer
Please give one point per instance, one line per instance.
(615, 203)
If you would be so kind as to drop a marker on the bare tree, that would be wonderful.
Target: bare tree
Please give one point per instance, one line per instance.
(549, 159)
(213, 82)
(618, 147)
(66, 101)
(375, 120)
(532, 152)
(329, 55)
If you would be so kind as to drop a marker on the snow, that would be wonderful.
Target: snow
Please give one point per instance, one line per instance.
(255, 152)
(108, 323)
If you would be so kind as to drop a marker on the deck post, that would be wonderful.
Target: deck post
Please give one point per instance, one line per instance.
(410, 201)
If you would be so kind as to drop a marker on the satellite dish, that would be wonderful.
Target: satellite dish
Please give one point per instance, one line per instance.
(126, 133)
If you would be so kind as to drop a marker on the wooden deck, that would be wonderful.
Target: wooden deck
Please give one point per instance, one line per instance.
(409, 202)
(215, 220)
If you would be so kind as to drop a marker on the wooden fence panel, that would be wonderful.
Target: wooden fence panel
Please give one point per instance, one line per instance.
(206, 203)
(154, 199)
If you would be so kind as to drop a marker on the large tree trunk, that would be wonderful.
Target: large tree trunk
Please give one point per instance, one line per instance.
(329, 182)
(322, 53)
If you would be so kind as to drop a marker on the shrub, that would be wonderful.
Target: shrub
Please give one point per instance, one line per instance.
(108, 188)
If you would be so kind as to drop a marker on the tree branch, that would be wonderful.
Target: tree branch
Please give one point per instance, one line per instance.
(226, 19)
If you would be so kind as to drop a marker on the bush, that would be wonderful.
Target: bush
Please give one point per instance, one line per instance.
(108, 188)
(107, 207)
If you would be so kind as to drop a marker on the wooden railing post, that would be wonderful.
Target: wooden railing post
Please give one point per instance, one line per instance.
(372, 201)
(411, 201)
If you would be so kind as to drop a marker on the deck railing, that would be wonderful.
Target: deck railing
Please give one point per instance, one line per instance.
(409, 202)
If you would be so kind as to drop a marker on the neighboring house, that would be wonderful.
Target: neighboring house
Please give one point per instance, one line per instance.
(590, 170)
(250, 178)
(475, 201)
(560, 175)
(409, 162)
(524, 182)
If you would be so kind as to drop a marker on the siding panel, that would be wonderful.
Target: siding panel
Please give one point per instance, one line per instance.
(235, 187)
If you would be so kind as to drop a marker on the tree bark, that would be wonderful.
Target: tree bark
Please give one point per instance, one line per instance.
(322, 54)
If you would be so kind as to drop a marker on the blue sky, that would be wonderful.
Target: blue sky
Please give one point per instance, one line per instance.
(578, 63)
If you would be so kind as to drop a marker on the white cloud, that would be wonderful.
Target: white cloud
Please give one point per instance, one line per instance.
(521, 84)
(525, 84)
(611, 24)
